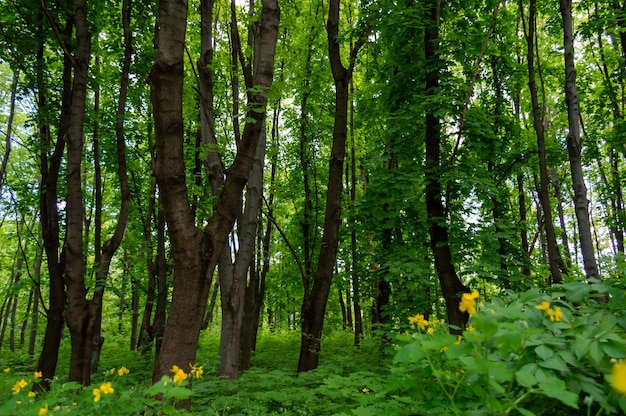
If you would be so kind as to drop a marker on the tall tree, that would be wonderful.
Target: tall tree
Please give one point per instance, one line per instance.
(314, 305)
(195, 252)
(451, 285)
(574, 145)
(554, 256)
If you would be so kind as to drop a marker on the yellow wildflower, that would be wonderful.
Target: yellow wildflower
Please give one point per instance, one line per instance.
(196, 371)
(470, 328)
(555, 314)
(179, 374)
(31, 394)
(37, 375)
(365, 390)
(543, 306)
(96, 394)
(459, 338)
(6, 370)
(444, 349)
(122, 371)
(430, 331)
(468, 302)
(618, 377)
(419, 320)
(111, 371)
(43, 411)
(19, 385)
(106, 388)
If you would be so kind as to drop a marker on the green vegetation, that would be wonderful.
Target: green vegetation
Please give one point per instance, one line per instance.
(517, 356)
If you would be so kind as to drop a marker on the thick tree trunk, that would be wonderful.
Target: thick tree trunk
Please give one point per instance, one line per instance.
(451, 286)
(314, 306)
(574, 146)
(554, 256)
(195, 253)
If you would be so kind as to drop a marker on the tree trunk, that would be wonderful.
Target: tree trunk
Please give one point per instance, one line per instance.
(195, 254)
(314, 306)
(574, 146)
(554, 256)
(79, 314)
(9, 127)
(48, 203)
(451, 286)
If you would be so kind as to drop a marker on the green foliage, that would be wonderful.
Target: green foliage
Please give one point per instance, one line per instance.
(513, 353)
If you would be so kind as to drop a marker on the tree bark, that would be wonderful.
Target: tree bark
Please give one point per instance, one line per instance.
(554, 256)
(195, 253)
(48, 205)
(314, 305)
(78, 312)
(574, 146)
(451, 285)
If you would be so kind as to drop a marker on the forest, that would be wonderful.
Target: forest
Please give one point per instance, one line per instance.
(357, 207)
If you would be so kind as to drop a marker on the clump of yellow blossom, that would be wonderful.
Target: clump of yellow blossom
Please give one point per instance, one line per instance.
(196, 371)
(419, 320)
(17, 387)
(31, 394)
(7, 370)
(430, 331)
(618, 377)
(105, 388)
(555, 314)
(468, 302)
(43, 411)
(179, 374)
(122, 371)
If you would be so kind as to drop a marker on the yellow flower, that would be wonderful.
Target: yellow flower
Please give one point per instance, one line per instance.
(543, 306)
(365, 390)
(444, 349)
(179, 374)
(7, 370)
(31, 394)
(618, 377)
(111, 371)
(468, 302)
(37, 374)
(470, 328)
(196, 371)
(430, 331)
(122, 371)
(96, 394)
(43, 411)
(555, 314)
(419, 320)
(459, 338)
(19, 385)
(106, 388)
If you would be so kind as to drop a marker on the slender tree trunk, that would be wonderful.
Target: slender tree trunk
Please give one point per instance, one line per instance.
(314, 306)
(78, 313)
(9, 127)
(112, 244)
(574, 145)
(554, 256)
(451, 286)
(48, 201)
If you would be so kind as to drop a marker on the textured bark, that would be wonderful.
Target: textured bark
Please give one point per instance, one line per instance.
(9, 130)
(48, 206)
(195, 253)
(574, 146)
(79, 314)
(554, 256)
(106, 252)
(451, 285)
(314, 305)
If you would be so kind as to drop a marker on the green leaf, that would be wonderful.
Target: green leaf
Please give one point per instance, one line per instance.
(544, 352)
(524, 412)
(555, 388)
(525, 379)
